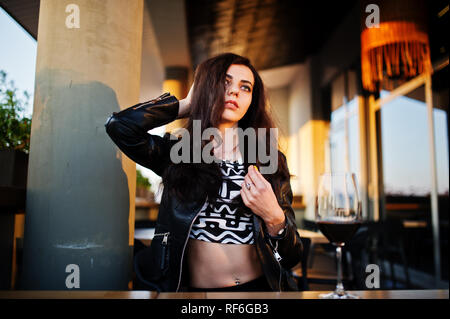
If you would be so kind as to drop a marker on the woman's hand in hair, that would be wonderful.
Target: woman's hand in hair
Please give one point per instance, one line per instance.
(261, 199)
(185, 104)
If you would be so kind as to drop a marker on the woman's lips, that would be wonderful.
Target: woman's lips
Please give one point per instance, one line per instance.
(231, 104)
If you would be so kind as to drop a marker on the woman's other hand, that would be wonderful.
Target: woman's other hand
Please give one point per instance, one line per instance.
(185, 104)
(261, 199)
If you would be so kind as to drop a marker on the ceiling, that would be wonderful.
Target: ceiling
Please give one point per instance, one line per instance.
(26, 13)
(272, 33)
(169, 23)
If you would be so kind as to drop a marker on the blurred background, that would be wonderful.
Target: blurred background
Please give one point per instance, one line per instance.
(359, 86)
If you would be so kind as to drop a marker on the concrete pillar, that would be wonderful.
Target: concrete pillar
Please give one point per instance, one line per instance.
(81, 189)
(176, 84)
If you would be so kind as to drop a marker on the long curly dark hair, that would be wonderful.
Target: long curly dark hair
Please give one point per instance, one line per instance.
(192, 182)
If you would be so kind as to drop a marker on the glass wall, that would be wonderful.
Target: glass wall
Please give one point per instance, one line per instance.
(405, 146)
(405, 170)
(344, 139)
(345, 125)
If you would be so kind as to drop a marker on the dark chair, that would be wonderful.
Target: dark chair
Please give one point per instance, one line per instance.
(139, 283)
(354, 254)
(355, 257)
(141, 258)
(387, 244)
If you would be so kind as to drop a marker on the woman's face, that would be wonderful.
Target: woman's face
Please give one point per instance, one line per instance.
(238, 92)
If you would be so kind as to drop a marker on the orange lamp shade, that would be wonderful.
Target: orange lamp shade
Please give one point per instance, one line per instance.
(394, 49)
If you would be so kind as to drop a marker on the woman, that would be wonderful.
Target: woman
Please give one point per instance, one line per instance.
(222, 225)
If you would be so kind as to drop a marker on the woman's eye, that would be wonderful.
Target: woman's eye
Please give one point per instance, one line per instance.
(246, 88)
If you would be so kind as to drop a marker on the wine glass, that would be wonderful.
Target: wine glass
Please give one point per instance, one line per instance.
(338, 216)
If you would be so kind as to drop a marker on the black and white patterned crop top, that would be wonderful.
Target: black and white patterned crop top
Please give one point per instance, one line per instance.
(226, 220)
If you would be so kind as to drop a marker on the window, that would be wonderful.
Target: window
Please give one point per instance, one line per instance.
(405, 146)
(344, 126)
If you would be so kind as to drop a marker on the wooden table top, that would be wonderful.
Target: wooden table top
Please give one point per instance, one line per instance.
(77, 294)
(138, 294)
(316, 237)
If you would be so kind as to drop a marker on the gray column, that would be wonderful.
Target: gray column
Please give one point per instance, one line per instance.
(81, 189)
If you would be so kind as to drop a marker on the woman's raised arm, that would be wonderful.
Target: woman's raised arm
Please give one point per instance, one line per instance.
(128, 130)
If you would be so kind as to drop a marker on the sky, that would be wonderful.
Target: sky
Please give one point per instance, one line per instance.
(405, 140)
(406, 147)
(18, 56)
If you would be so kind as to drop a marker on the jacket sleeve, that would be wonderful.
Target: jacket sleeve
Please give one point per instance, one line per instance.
(128, 130)
(289, 244)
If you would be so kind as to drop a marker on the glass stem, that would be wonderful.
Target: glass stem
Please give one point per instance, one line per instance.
(339, 286)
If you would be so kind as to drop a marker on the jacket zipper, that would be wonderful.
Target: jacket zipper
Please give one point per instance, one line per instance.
(142, 104)
(277, 258)
(165, 238)
(164, 248)
(159, 98)
(184, 247)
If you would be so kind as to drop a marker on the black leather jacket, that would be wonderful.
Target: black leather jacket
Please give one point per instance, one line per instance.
(162, 266)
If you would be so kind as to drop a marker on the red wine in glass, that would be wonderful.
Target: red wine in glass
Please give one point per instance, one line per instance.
(338, 232)
(338, 216)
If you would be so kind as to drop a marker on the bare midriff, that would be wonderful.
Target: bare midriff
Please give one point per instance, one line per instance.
(215, 265)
